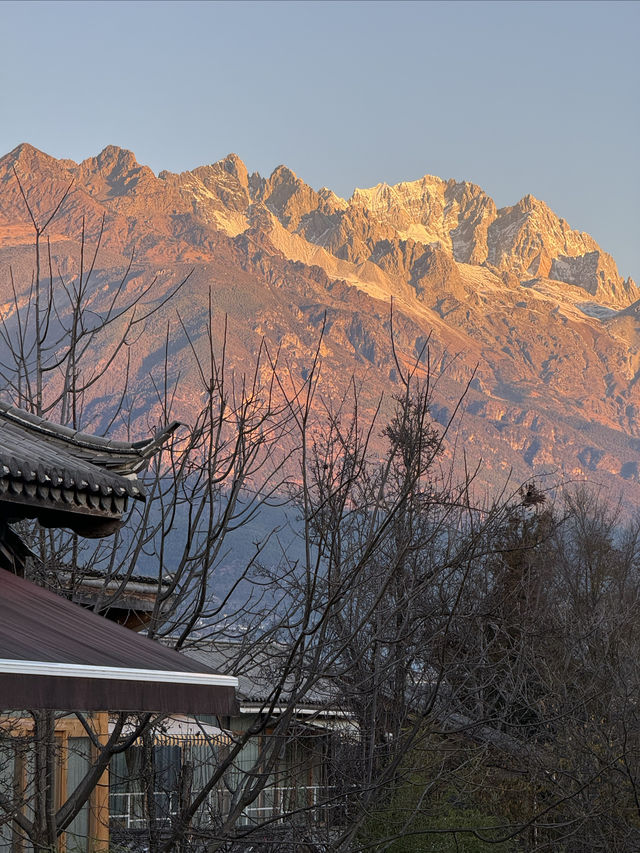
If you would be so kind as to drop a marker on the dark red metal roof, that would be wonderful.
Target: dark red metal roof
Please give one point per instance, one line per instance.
(55, 654)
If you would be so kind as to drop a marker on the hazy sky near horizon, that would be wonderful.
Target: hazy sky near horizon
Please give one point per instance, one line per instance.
(518, 97)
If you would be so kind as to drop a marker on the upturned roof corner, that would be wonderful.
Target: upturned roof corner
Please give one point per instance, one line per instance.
(67, 478)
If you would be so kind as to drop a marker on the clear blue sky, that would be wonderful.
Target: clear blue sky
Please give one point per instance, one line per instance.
(518, 97)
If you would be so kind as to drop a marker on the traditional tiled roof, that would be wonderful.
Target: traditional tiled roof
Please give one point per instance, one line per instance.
(45, 467)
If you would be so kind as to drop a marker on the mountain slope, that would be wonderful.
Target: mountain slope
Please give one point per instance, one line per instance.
(536, 309)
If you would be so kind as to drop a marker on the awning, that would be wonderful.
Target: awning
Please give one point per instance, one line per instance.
(56, 655)
(180, 731)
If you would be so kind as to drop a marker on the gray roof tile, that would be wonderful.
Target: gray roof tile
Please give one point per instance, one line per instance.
(49, 467)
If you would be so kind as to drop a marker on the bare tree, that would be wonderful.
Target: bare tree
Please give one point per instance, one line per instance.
(362, 613)
(210, 482)
(467, 644)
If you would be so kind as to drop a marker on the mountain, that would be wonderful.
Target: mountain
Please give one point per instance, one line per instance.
(532, 313)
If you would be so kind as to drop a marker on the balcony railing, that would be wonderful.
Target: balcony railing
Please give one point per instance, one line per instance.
(128, 809)
(312, 803)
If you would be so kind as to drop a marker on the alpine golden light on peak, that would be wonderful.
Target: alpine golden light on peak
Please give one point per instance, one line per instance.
(537, 309)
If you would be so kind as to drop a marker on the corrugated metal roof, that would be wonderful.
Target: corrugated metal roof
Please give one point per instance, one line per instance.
(258, 671)
(73, 659)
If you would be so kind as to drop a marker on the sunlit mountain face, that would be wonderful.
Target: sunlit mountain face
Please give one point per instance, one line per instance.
(528, 319)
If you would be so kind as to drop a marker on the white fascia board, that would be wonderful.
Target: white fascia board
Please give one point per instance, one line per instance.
(116, 673)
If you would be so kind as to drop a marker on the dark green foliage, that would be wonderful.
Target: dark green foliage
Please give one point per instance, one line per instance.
(414, 822)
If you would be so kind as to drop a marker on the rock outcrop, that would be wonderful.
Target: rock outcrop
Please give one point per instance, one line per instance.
(533, 313)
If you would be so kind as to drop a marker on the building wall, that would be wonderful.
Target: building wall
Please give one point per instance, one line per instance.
(89, 832)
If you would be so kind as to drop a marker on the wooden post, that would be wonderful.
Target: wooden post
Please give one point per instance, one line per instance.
(99, 811)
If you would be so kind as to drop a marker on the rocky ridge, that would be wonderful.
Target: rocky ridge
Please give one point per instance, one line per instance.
(539, 308)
